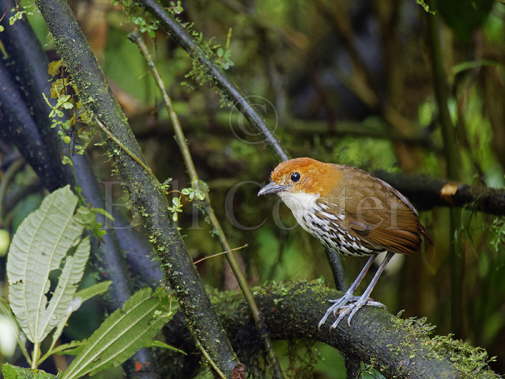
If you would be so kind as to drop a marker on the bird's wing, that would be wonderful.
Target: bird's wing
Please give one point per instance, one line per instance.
(376, 213)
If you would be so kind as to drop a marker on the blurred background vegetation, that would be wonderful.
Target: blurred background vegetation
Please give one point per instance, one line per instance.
(349, 82)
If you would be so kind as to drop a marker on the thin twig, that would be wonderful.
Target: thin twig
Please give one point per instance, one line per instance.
(190, 166)
(123, 147)
(220, 253)
(210, 360)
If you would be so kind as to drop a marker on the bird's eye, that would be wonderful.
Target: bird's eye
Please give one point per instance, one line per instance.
(295, 176)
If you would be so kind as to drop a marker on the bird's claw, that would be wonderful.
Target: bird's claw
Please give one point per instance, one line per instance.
(337, 304)
(347, 305)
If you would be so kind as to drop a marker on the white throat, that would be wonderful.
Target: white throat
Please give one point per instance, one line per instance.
(300, 204)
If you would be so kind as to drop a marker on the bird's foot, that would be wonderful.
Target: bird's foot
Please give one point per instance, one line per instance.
(347, 305)
(337, 304)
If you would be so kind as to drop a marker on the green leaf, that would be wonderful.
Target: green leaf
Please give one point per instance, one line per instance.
(427, 7)
(164, 345)
(94, 290)
(103, 212)
(15, 372)
(61, 305)
(38, 248)
(123, 333)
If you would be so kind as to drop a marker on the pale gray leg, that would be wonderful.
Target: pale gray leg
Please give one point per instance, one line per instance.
(349, 294)
(351, 309)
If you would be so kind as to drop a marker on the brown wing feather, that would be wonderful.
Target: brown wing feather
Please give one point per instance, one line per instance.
(376, 213)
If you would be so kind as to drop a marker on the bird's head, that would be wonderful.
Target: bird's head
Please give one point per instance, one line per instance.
(301, 175)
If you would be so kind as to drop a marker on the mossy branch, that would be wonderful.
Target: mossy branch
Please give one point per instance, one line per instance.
(428, 192)
(399, 348)
(143, 188)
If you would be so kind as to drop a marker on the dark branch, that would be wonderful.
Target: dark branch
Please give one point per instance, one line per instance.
(26, 111)
(427, 193)
(19, 129)
(398, 348)
(220, 124)
(110, 261)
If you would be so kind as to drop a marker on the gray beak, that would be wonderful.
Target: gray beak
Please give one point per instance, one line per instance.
(272, 188)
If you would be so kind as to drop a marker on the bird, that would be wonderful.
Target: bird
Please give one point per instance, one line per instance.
(351, 212)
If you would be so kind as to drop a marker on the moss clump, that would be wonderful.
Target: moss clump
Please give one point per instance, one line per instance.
(471, 361)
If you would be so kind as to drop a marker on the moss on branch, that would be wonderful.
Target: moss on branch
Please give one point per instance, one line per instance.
(399, 348)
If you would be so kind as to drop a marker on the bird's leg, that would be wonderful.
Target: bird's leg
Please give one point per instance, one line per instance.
(349, 294)
(351, 309)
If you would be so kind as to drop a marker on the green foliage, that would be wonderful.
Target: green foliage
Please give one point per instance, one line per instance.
(214, 52)
(196, 193)
(364, 153)
(92, 291)
(47, 240)
(15, 372)
(146, 27)
(175, 208)
(145, 22)
(123, 333)
(427, 7)
(20, 11)
(68, 114)
(469, 360)
(220, 55)
(88, 218)
(50, 240)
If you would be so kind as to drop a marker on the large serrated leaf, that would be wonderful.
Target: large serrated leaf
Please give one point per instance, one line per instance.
(123, 333)
(67, 285)
(38, 248)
